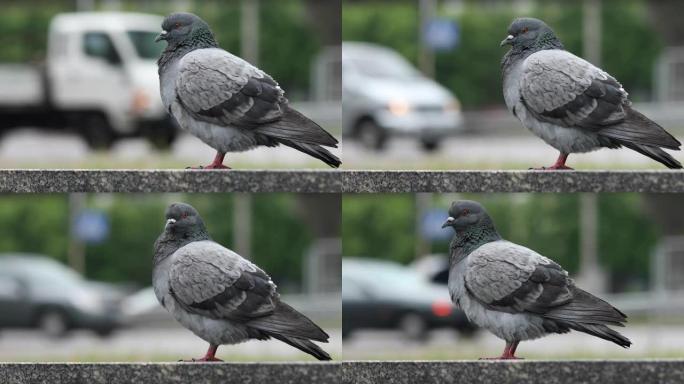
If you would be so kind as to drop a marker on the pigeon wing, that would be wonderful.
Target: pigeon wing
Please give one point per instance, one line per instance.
(511, 278)
(208, 279)
(566, 90)
(220, 88)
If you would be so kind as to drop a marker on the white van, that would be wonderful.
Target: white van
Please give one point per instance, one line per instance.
(99, 78)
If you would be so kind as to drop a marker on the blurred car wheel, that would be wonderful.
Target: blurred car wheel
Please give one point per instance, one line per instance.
(53, 323)
(413, 326)
(371, 134)
(97, 132)
(104, 332)
(468, 331)
(346, 332)
(430, 145)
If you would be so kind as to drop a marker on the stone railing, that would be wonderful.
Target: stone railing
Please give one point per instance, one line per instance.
(175, 373)
(514, 372)
(332, 181)
(387, 372)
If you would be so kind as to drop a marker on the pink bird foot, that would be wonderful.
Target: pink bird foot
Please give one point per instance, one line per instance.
(216, 164)
(558, 166)
(209, 357)
(508, 353)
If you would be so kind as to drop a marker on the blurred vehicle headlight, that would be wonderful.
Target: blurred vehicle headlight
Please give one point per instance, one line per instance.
(88, 302)
(399, 107)
(453, 106)
(141, 101)
(442, 308)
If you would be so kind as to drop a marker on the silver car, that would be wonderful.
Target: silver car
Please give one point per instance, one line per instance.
(384, 95)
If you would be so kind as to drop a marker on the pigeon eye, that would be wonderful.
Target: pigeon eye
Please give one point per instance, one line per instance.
(184, 215)
(524, 30)
(177, 25)
(465, 212)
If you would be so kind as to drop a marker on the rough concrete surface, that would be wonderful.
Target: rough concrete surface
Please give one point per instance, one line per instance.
(312, 181)
(546, 372)
(51, 181)
(512, 181)
(162, 373)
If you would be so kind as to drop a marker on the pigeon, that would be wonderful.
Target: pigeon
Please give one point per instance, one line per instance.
(514, 292)
(220, 296)
(226, 102)
(569, 103)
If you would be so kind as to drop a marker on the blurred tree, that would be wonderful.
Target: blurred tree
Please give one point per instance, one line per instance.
(288, 38)
(627, 237)
(39, 224)
(666, 18)
(380, 226)
(326, 16)
(472, 70)
(34, 224)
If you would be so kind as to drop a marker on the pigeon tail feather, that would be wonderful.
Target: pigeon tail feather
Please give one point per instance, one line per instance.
(295, 127)
(601, 331)
(587, 308)
(286, 321)
(654, 153)
(638, 129)
(315, 151)
(589, 314)
(303, 345)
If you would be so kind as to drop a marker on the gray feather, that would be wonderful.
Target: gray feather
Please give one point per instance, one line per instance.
(227, 102)
(573, 105)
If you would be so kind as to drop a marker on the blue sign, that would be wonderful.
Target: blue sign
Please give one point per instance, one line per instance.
(431, 226)
(442, 34)
(91, 226)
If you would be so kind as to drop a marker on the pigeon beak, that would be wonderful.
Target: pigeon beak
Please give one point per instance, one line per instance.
(170, 222)
(448, 222)
(161, 36)
(507, 41)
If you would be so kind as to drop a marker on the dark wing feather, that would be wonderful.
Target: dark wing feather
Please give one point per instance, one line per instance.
(563, 89)
(210, 280)
(220, 88)
(546, 288)
(510, 278)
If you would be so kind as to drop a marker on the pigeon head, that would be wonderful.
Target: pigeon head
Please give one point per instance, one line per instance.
(529, 33)
(182, 220)
(181, 29)
(465, 214)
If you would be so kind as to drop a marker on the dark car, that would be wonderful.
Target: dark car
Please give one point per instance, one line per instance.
(387, 295)
(39, 292)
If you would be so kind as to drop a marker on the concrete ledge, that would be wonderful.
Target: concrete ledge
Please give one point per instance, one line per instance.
(512, 181)
(547, 372)
(315, 181)
(162, 373)
(51, 181)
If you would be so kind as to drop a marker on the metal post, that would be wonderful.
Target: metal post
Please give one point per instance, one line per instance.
(85, 5)
(76, 254)
(423, 201)
(591, 276)
(591, 31)
(249, 31)
(426, 60)
(242, 224)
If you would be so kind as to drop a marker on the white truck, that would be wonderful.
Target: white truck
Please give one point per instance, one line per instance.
(99, 79)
